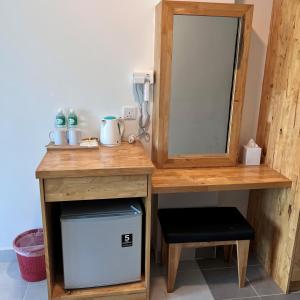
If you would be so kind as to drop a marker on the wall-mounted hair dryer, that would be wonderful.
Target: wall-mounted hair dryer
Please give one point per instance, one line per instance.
(147, 90)
(147, 79)
(143, 82)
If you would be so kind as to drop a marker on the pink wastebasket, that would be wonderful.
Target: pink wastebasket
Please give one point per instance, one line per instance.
(30, 250)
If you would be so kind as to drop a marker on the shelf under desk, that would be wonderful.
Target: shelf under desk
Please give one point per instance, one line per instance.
(217, 179)
(132, 291)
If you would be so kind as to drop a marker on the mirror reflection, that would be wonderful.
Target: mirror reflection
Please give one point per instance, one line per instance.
(203, 65)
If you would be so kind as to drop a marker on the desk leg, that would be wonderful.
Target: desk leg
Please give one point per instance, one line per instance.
(47, 217)
(155, 228)
(148, 209)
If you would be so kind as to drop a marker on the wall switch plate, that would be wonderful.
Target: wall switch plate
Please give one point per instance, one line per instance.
(129, 112)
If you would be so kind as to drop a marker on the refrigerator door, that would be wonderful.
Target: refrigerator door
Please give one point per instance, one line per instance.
(102, 247)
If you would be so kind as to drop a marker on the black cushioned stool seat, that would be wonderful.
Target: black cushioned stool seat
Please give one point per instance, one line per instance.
(204, 224)
(203, 227)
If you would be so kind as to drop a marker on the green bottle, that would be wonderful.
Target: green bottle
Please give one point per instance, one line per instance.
(72, 119)
(60, 119)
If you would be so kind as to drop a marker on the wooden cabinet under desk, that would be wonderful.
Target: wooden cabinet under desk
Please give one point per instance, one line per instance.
(186, 180)
(87, 175)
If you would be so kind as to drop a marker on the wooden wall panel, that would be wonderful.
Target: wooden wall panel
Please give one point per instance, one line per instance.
(275, 213)
(295, 277)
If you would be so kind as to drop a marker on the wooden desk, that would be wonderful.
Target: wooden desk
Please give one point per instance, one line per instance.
(210, 180)
(125, 171)
(217, 179)
(105, 173)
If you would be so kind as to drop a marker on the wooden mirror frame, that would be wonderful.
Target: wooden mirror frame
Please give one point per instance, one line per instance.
(165, 12)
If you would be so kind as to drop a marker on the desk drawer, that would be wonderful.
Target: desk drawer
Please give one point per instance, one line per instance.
(89, 188)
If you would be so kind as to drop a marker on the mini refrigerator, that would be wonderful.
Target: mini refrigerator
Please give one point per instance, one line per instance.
(101, 242)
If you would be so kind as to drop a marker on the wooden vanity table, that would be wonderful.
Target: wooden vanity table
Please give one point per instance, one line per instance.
(201, 60)
(93, 174)
(212, 180)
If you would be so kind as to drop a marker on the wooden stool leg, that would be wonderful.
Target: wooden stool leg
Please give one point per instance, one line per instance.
(173, 262)
(242, 259)
(228, 249)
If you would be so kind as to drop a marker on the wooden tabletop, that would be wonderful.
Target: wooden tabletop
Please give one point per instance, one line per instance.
(126, 159)
(217, 179)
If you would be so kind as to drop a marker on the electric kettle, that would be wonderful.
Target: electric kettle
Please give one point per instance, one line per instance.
(111, 131)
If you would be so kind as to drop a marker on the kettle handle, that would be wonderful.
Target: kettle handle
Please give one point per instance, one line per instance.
(121, 126)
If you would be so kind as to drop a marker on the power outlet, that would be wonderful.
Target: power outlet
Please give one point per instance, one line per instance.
(129, 112)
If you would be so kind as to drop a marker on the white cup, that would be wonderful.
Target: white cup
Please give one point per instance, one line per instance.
(58, 136)
(74, 136)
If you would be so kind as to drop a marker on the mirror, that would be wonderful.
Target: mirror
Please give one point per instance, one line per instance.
(203, 65)
(201, 60)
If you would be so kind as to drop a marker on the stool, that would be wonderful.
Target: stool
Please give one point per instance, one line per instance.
(203, 227)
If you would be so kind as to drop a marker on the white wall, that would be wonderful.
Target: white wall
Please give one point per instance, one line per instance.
(60, 53)
(257, 57)
(63, 53)
(256, 65)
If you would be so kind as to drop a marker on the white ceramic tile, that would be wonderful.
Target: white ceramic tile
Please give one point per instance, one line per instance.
(43, 282)
(7, 255)
(261, 282)
(223, 284)
(36, 291)
(295, 296)
(190, 285)
(217, 262)
(187, 265)
(184, 265)
(12, 292)
(10, 275)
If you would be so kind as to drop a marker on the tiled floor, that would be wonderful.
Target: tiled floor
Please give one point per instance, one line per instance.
(217, 280)
(210, 279)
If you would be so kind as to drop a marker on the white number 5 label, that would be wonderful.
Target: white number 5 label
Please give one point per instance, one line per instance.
(127, 240)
